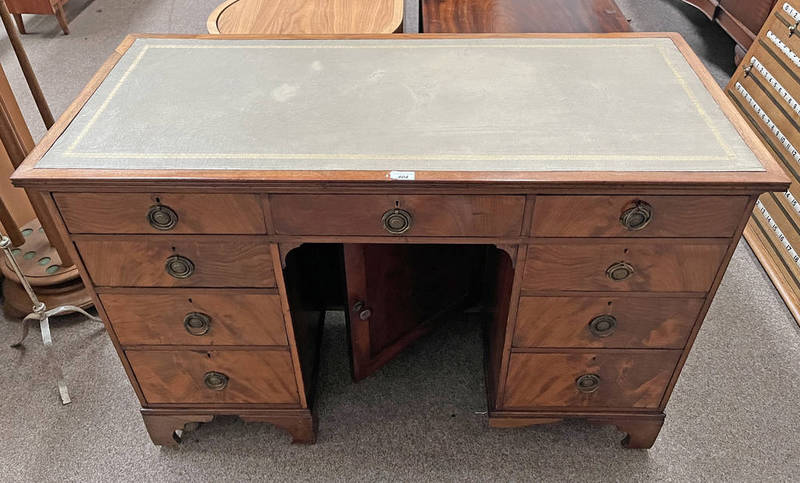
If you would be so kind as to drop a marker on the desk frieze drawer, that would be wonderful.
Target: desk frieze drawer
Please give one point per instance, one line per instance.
(205, 318)
(215, 376)
(605, 322)
(154, 261)
(599, 379)
(638, 216)
(392, 215)
(586, 265)
(162, 213)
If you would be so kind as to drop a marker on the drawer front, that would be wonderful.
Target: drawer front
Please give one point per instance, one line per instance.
(196, 319)
(434, 215)
(605, 322)
(622, 379)
(247, 377)
(588, 265)
(161, 213)
(638, 216)
(143, 261)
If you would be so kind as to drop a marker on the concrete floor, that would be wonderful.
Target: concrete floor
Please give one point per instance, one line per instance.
(733, 416)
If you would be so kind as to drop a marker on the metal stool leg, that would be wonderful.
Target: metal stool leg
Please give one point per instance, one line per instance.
(42, 314)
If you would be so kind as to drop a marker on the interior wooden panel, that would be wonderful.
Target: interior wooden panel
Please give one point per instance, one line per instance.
(433, 215)
(173, 377)
(127, 212)
(158, 319)
(673, 216)
(407, 290)
(499, 293)
(659, 266)
(642, 322)
(627, 379)
(140, 261)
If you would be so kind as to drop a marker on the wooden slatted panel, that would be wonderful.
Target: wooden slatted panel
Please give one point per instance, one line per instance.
(766, 90)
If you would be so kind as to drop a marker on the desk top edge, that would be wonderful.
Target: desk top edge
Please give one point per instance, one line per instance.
(771, 179)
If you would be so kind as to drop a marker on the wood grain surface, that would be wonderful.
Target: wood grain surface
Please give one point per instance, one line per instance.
(306, 17)
(673, 216)
(139, 261)
(174, 377)
(642, 322)
(468, 16)
(659, 266)
(236, 318)
(433, 215)
(127, 212)
(628, 379)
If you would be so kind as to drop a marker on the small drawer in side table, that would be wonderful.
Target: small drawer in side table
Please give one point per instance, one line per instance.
(586, 264)
(606, 322)
(196, 318)
(638, 216)
(597, 379)
(407, 215)
(215, 376)
(177, 261)
(163, 213)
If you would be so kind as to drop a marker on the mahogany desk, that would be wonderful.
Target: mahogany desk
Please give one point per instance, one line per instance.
(582, 194)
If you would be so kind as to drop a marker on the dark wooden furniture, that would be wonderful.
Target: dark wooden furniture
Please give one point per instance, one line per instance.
(765, 89)
(742, 19)
(591, 259)
(478, 16)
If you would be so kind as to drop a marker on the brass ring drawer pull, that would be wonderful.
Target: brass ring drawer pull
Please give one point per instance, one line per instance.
(637, 217)
(620, 271)
(179, 267)
(603, 325)
(588, 383)
(197, 323)
(216, 381)
(397, 221)
(162, 217)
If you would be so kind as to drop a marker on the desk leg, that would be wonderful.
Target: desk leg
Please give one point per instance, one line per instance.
(166, 425)
(164, 428)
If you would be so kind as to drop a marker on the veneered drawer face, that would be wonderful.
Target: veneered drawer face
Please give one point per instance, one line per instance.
(166, 213)
(621, 379)
(605, 322)
(430, 215)
(240, 377)
(652, 266)
(638, 216)
(142, 261)
(220, 318)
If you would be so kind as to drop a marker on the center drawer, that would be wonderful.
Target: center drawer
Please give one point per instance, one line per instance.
(177, 261)
(599, 379)
(205, 318)
(587, 265)
(407, 215)
(218, 377)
